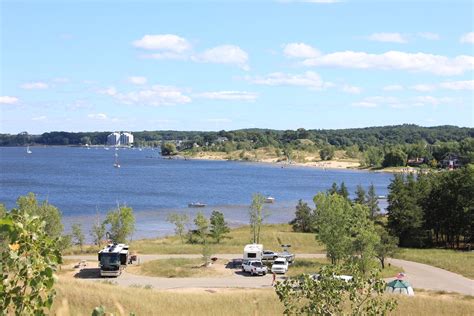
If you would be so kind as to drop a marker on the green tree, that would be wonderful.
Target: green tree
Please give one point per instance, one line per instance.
(202, 226)
(180, 221)
(98, 231)
(257, 215)
(46, 212)
(77, 235)
(328, 295)
(373, 157)
(303, 218)
(343, 191)
(387, 245)
(395, 158)
(122, 223)
(168, 149)
(327, 152)
(27, 264)
(372, 202)
(86, 140)
(218, 227)
(360, 195)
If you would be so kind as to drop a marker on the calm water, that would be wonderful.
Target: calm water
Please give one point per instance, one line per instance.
(83, 182)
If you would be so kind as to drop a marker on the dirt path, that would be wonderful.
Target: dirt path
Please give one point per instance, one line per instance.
(419, 275)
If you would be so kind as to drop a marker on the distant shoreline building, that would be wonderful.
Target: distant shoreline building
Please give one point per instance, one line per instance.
(120, 139)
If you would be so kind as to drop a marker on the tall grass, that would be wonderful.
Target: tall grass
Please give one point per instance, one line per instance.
(174, 268)
(83, 296)
(237, 238)
(451, 260)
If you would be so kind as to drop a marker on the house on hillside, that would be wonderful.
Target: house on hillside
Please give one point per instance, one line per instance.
(451, 161)
(415, 162)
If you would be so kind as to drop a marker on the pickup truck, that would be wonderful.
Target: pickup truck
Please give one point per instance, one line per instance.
(254, 267)
(270, 255)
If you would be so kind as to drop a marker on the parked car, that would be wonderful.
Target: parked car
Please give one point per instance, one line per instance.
(254, 267)
(280, 265)
(271, 255)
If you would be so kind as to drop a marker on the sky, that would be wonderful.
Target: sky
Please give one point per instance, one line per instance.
(225, 65)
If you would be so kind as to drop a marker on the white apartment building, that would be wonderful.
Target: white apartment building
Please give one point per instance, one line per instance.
(126, 139)
(113, 139)
(119, 139)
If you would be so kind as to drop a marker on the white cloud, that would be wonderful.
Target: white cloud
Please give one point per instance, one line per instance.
(430, 100)
(137, 80)
(372, 102)
(98, 116)
(388, 38)
(5, 99)
(229, 95)
(436, 64)
(393, 87)
(163, 42)
(429, 36)
(34, 86)
(224, 54)
(467, 38)
(156, 95)
(458, 85)
(300, 50)
(308, 79)
(423, 87)
(351, 89)
(39, 118)
(397, 103)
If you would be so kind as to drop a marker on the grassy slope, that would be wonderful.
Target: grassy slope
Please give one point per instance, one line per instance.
(79, 298)
(451, 260)
(174, 268)
(301, 242)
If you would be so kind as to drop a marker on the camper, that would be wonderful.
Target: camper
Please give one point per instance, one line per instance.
(253, 251)
(113, 259)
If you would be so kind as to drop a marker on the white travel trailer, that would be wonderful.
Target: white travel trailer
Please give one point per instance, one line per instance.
(253, 251)
(113, 259)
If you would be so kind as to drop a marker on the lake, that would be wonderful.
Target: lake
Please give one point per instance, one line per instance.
(82, 183)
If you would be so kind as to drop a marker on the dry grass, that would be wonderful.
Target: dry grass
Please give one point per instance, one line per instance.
(451, 260)
(176, 268)
(301, 242)
(82, 297)
(311, 266)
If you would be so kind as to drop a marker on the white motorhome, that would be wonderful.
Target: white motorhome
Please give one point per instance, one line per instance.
(253, 251)
(113, 259)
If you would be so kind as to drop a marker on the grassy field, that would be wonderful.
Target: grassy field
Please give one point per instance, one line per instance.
(175, 268)
(238, 237)
(451, 260)
(79, 298)
(311, 266)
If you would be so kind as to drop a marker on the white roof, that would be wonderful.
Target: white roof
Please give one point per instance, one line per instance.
(253, 247)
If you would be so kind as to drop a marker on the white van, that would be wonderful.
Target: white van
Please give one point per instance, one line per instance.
(253, 251)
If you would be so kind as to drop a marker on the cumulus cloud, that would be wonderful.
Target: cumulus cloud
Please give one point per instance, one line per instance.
(364, 104)
(229, 95)
(388, 38)
(224, 54)
(98, 116)
(155, 95)
(34, 86)
(163, 42)
(137, 80)
(458, 85)
(39, 118)
(423, 87)
(467, 38)
(396, 60)
(376, 101)
(5, 99)
(308, 79)
(430, 100)
(351, 89)
(393, 87)
(300, 50)
(429, 36)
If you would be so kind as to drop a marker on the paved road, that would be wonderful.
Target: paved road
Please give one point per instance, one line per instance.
(419, 275)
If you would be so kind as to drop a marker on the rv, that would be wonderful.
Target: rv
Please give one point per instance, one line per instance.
(113, 259)
(253, 251)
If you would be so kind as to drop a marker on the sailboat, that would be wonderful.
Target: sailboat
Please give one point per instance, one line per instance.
(28, 151)
(116, 163)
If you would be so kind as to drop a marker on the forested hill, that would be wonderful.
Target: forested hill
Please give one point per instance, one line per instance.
(340, 138)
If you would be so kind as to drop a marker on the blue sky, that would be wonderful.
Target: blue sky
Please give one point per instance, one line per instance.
(143, 65)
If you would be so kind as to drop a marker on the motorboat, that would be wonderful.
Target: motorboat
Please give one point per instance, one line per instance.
(269, 199)
(196, 204)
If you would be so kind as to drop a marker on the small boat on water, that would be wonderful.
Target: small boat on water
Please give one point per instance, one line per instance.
(116, 163)
(269, 199)
(196, 204)
(28, 151)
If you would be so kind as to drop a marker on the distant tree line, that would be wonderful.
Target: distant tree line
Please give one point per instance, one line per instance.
(435, 209)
